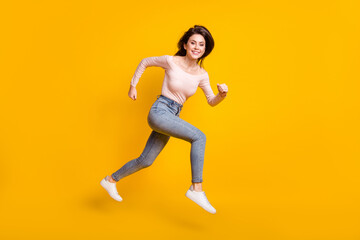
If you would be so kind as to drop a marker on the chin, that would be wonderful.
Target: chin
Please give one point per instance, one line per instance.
(195, 56)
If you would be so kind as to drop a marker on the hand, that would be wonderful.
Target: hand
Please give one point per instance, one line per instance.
(223, 89)
(132, 93)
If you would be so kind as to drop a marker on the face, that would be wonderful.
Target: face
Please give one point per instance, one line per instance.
(195, 46)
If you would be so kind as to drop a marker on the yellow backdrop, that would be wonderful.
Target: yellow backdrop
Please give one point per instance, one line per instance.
(282, 155)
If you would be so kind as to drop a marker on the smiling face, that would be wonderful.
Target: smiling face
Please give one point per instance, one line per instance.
(195, 46)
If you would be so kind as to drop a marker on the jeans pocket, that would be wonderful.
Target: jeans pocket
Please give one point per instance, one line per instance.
(160, 108)
(163, 103)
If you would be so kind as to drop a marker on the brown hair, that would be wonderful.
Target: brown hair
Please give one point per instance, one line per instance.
(197, 29)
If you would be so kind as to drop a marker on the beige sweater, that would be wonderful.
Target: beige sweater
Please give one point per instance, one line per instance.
(178, 85)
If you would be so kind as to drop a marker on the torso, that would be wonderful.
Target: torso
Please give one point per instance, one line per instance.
(178, 60)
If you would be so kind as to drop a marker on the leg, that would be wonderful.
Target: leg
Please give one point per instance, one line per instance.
(171, 125)
(153, 147)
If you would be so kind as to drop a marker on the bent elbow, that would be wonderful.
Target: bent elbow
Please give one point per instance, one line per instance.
(211, 104)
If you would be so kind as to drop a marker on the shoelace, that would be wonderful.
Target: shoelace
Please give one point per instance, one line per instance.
(114, 189)
(203, 198)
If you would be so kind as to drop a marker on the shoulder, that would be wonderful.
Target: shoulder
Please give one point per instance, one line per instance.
(176, 59)
(202, 71)
(167, 57)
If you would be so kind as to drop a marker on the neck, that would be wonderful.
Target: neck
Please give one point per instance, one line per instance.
(191, 63)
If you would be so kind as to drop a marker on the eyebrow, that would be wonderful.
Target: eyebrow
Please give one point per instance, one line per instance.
(200, 42)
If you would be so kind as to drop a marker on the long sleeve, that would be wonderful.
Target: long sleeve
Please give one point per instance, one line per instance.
(212, 99)
(160, 61)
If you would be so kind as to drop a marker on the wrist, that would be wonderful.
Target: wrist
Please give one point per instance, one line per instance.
(222, 95)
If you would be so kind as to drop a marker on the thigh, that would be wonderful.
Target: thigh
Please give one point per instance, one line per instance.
(155, 144)
(167, 123)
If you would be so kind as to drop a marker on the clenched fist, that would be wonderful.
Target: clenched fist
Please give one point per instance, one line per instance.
(223, 89)
(132, 92)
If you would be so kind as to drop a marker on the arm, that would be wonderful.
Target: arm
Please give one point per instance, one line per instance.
(160, 61)
(210, 96)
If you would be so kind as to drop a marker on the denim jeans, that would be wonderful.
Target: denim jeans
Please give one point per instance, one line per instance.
(164, 120)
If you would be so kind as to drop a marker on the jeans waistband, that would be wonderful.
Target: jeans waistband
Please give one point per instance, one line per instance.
(172, 102)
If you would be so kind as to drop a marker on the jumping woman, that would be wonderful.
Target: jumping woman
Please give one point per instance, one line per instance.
(183, 75)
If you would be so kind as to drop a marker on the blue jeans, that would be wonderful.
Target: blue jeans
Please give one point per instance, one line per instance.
(164, 119)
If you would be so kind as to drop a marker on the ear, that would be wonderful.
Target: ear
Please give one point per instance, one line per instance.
(184, 46)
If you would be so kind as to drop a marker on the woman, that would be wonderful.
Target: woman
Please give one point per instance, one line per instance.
(183, 74)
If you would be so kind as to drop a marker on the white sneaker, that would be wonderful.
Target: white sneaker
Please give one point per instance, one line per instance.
(111, 189)
(200, 199)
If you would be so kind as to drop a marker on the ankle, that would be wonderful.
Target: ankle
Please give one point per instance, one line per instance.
(110, 179)
(197, 187)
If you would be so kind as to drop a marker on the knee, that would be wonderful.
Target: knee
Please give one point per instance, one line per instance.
(200, 136)
(144, 162)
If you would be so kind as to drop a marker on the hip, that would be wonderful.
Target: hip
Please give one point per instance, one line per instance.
(165, 105)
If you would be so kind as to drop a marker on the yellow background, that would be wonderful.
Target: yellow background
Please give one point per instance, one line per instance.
(282, 155)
